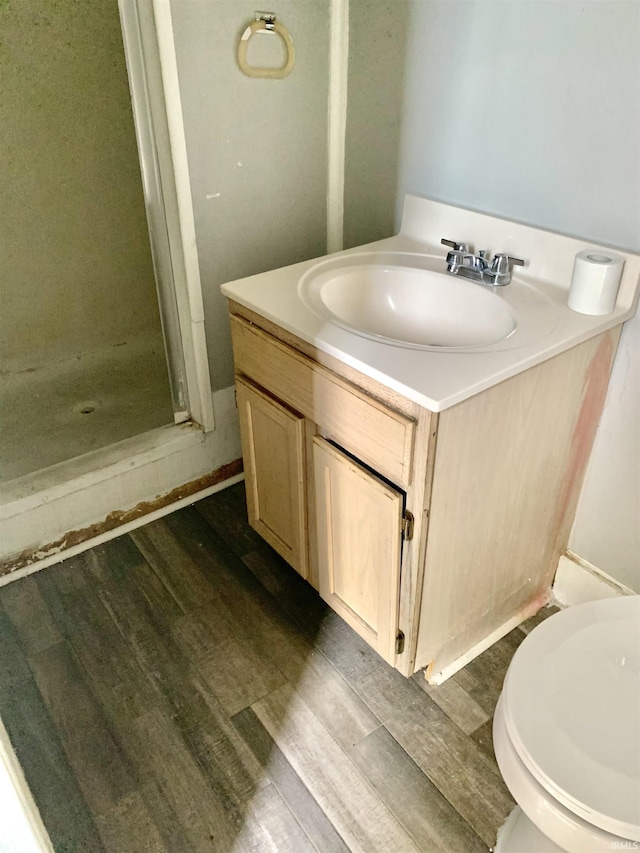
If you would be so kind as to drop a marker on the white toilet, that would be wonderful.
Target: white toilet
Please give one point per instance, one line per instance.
(567, 732)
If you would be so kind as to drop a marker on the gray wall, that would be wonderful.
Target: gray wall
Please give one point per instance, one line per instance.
(257, 149)
(76, 265)
(531, 110)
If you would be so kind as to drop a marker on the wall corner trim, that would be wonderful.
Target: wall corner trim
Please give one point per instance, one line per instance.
(337, 123)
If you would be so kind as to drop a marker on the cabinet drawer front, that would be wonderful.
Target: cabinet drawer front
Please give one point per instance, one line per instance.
(358, 519)
(273, 451)
(379, 436)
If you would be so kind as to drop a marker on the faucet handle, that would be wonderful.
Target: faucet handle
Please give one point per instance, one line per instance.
(457, 247)
(501, 263)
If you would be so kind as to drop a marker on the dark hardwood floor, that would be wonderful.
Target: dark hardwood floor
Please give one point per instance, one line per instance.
(182, 689)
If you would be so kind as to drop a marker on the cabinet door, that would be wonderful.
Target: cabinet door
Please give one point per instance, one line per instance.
(359, 523)
(273, 451)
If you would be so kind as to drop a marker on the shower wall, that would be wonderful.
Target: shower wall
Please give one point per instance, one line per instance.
(76, 264)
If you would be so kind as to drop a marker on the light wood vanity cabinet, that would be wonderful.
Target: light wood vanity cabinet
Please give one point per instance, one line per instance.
(310, 440)
(358, 517)
(432, 535)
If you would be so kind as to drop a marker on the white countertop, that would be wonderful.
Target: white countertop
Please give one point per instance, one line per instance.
(440, 379)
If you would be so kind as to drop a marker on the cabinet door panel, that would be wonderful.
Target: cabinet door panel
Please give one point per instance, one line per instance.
(273, 451)
(359, 520)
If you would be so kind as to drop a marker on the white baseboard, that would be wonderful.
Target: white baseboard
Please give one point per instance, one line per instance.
(446, 672)
(578, 581)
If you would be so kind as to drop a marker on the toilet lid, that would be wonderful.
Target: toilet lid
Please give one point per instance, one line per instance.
(572, 710)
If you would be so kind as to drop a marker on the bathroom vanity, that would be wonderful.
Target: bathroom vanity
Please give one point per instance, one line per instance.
(426, 491)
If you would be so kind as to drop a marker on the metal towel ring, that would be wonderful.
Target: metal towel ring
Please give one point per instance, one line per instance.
(266, 23)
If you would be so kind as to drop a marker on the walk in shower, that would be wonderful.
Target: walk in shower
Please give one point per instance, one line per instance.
(82, 355)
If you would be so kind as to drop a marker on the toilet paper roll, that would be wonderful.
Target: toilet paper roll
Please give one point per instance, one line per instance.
(595, 281)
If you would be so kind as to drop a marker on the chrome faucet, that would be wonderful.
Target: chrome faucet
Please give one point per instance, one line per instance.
(462, 262)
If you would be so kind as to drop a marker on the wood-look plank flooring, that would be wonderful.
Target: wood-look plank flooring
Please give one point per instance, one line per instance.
(182, 689)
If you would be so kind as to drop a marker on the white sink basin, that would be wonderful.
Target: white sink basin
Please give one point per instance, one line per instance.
(397, 297)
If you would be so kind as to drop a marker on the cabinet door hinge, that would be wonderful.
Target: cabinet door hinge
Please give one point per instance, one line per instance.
(407, 526)
(399, 642)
